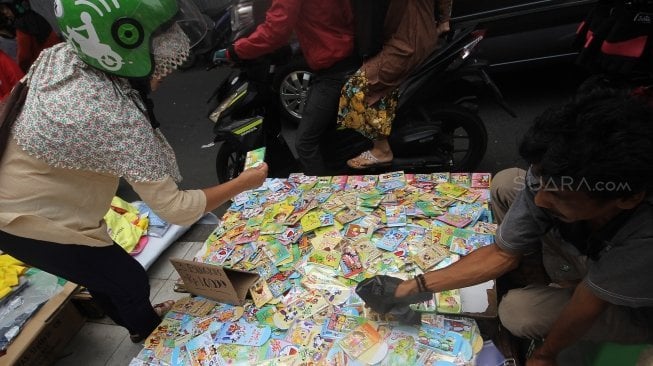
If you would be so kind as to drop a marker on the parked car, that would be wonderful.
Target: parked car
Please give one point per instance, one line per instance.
(524, 32)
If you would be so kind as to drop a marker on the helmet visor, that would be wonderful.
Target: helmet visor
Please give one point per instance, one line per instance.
(191, 21)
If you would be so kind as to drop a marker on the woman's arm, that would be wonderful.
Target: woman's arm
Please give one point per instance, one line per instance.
(185, 207)
(221, 193)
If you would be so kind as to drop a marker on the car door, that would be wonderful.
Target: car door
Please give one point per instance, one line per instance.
(524, 31)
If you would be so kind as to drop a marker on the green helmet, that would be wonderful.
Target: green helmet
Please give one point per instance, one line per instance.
(115, 35)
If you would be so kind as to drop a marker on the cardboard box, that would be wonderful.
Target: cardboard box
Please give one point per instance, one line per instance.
(217, 283)
(47, 332)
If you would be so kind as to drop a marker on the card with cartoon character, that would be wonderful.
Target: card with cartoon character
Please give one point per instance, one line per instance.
(261, 293)
(195, 306)
(353, 231)
(450, 189)
(313, 220)
(402, 346)
(440, 340)
(454, 220)
(481, 180)
(347, 215)
(243, 333)
(254, 158)
(359, 340)
(429, 257)
(339, 324)
(442, 177)
(391, 239)
(449, 301)
(395, 215)
(329, 258)
(350, 262)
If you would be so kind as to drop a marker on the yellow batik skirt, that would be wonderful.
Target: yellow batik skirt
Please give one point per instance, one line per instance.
(373, 121)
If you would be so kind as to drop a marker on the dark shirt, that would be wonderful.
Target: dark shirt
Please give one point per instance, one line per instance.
(619, 255)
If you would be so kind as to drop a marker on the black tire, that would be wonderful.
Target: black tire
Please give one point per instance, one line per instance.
(229, 163)
(463, 136)
(292, 83)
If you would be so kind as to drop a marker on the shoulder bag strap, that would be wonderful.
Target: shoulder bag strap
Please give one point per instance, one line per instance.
(9, 110)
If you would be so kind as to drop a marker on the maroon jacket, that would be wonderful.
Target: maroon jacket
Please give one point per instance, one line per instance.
(324, 29)
(10, 74)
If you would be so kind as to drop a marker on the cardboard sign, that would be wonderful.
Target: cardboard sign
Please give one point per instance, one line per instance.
(217, 283)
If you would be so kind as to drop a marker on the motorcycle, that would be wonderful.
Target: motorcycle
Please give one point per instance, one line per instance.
(217, 15)
(437, 127)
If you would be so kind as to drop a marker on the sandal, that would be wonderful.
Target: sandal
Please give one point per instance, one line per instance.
(161, 310)
(136, 338)
(366, 160)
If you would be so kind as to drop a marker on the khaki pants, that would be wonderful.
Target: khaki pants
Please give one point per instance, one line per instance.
(529, 312)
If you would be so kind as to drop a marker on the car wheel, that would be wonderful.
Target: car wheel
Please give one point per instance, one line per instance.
(292, 83)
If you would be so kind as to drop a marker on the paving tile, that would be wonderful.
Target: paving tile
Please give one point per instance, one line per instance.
(198, 232)
(167, 293)
(124, 353)
(95, 344)
(194, 248)
(155, 286)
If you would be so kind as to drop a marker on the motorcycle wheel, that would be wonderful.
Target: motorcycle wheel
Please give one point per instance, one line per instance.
(229, 163)
(292, 83)
(463, 135)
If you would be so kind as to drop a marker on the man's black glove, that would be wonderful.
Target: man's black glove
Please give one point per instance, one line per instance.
(378, 293)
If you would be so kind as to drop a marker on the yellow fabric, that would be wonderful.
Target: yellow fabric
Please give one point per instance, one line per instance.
(373, 121)
(10, 271)
(124, 224)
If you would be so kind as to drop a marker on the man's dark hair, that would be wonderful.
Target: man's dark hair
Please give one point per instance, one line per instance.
(600, 142)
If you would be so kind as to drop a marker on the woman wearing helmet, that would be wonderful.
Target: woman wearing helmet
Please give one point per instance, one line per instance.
(82, 127)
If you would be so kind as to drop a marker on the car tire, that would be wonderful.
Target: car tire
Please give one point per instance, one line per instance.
(292, 83)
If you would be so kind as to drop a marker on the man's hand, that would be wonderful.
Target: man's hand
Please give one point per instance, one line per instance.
(253, 177)
(406, 288)
(221, 56)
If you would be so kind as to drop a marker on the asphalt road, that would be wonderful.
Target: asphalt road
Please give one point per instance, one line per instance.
(181, 109)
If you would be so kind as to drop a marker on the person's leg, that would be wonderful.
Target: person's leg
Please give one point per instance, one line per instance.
(379, 154)
(381, 149)
(319, 113)
(531, 311)
(503, 189)
(118, 280)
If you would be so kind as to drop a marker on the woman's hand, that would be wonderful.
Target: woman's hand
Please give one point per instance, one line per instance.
(443, 27)
(253, 177)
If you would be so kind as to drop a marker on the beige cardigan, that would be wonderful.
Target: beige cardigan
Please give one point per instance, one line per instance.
(67, 206)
